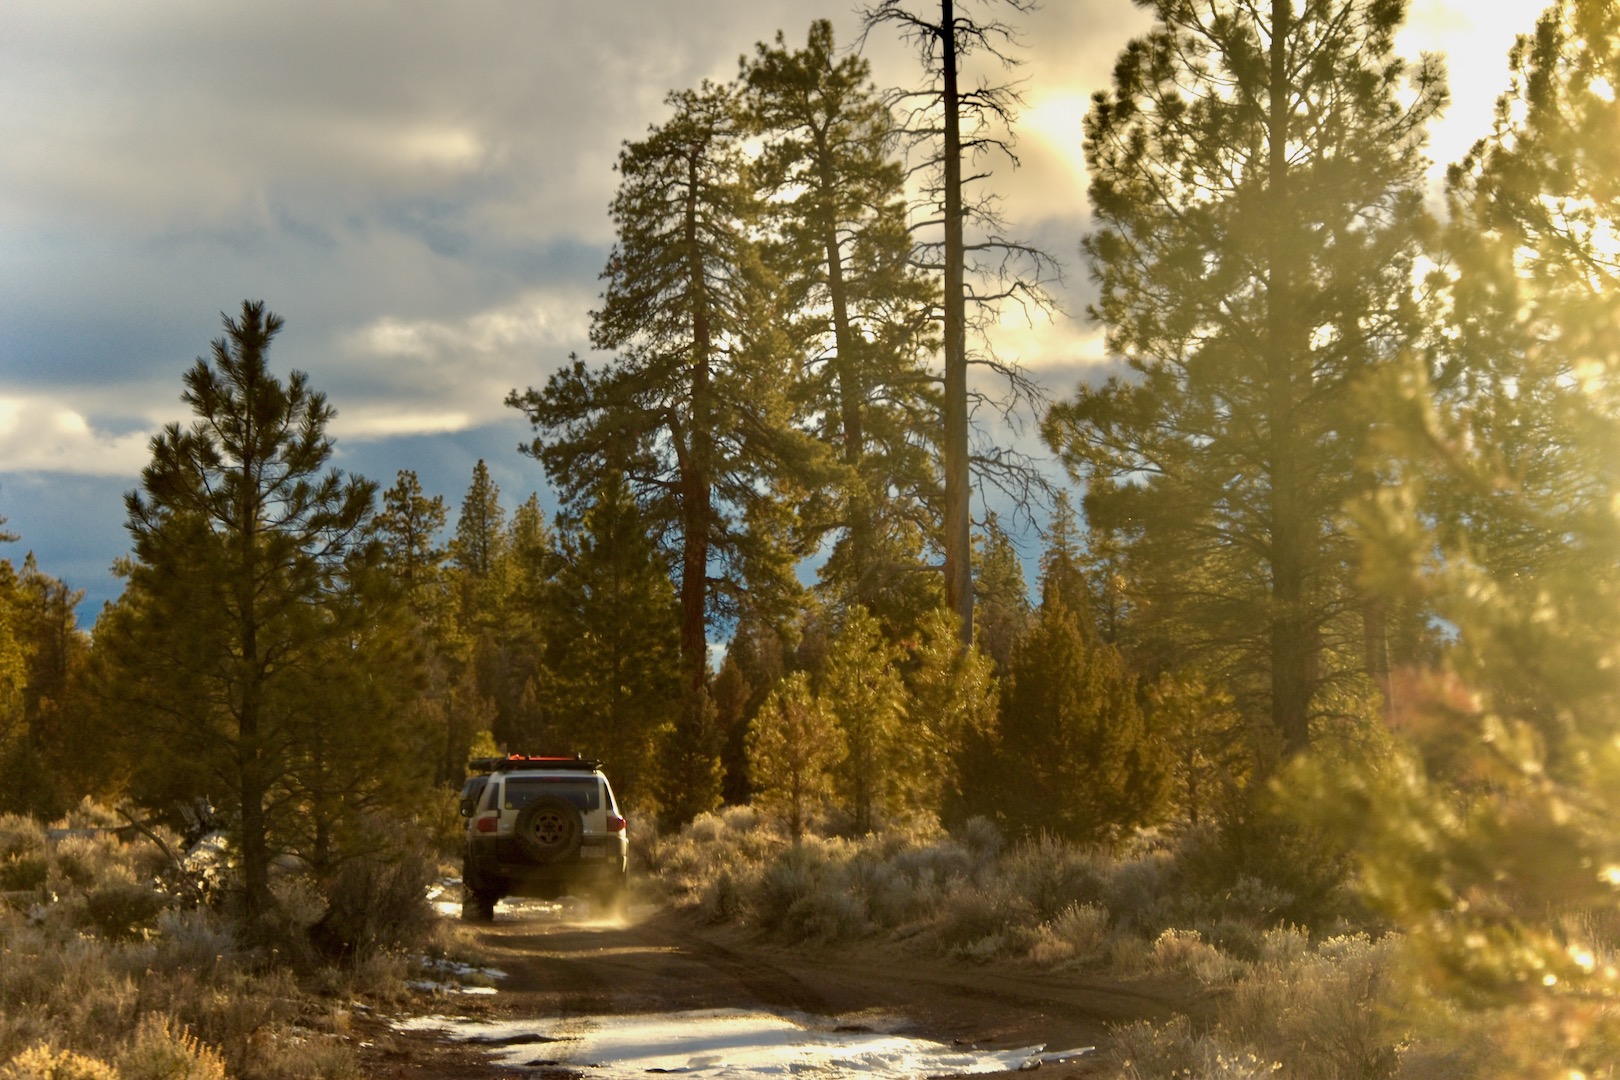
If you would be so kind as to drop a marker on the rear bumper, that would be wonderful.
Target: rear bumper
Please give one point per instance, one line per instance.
(496, 866)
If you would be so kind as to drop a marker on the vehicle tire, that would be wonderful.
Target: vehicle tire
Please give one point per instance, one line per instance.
(478, 905)
(549, 829)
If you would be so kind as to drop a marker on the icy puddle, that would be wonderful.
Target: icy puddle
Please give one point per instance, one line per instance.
(725, 1044)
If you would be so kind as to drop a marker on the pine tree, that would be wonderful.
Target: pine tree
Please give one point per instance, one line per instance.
(951, 713)
(794, 746)
(833, 197)
(449, 700)
(862, 688)
(241, 541)
(1001, 594)
(1257, 189)
(480, 527)
(1487, 832)
(613, 643)
(693, 410)
(1079, 758)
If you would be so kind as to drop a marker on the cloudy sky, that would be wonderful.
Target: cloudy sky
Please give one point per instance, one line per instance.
(419, 187)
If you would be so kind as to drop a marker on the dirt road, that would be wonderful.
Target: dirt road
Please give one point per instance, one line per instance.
(662, 962)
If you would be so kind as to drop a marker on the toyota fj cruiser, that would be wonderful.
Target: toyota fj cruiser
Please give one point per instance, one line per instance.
(544, 827)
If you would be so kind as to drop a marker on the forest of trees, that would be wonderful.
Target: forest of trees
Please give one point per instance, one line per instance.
(1343, 564)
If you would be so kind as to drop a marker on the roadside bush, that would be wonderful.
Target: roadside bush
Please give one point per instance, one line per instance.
(120, 908)
(1187, 952)
(376, 904)
(159, 1052)
(43, 1063)
(1146, 1051)
(1079, 934)
(1326, 1013)
(987, 921)
(24, 864)
(1053, 875)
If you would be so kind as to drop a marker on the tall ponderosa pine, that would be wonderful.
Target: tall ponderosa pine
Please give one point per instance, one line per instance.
(981, 270)
(834, 200)
(241, 545)
(1257, 191)
(692, 410)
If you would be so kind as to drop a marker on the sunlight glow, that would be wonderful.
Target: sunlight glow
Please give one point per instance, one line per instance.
(1057, 121)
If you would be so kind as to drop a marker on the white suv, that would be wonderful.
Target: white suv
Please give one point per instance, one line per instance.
(541, 826)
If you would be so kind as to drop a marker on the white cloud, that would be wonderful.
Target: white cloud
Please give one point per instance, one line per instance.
(47, 434)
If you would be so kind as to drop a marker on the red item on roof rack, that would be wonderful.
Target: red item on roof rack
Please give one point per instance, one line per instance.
(532, 761)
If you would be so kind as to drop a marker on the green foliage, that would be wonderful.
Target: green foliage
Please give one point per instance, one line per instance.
(691, 773)
(1208, 744)
(862, 689)
(1487, 832)
(832, 194)
(1078, 756)
(613, 643)
(950, 715)
(253, 587)
(794, 746)
(1001, 596)
(692, 411)
(1257, 189)
(44, 714)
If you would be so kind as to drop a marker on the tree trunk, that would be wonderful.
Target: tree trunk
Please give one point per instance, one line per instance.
(1292, 642)
(696, 496)
(958, 550)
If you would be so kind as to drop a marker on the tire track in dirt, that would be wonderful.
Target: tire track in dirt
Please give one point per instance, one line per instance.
(665, 962)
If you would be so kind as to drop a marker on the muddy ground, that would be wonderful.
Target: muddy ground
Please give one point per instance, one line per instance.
(662, 961)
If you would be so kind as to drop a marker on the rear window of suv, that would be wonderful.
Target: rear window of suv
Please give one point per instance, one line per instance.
(583, 791)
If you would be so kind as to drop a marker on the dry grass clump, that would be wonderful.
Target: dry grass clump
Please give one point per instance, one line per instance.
(160, 1051)
(1326, 1012)
(109, 970)
(41, 1062)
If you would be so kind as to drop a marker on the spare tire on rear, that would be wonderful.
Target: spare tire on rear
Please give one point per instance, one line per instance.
(549, 829)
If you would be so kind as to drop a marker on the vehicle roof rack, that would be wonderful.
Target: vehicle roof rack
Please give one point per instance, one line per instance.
(530, 761)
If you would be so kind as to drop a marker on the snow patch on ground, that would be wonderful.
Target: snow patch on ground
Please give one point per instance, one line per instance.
(726, 1044)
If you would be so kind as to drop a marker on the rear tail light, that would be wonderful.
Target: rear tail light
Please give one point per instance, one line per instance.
(487, 823)
(615, 823)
